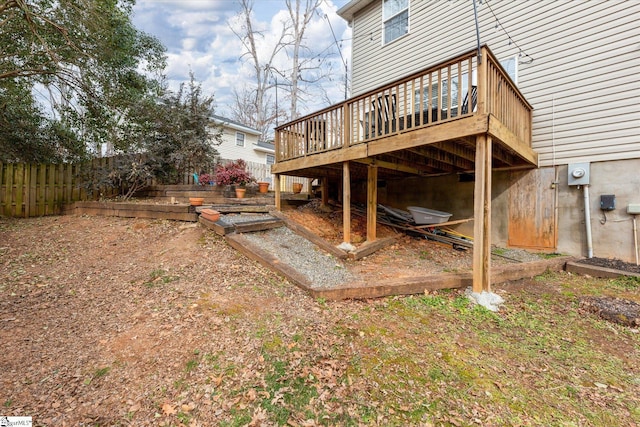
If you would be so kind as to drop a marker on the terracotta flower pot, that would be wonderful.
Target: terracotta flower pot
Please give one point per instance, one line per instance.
(196, 201)
(297, 187)
(263, 187)
(240, 192)
(210, 214)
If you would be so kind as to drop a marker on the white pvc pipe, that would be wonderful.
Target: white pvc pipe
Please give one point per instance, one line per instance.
(635, 238)
(587, 220)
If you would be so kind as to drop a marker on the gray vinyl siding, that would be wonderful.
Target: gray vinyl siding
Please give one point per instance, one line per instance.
(584, 82)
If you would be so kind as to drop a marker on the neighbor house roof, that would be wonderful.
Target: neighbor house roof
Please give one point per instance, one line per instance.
(235, 125)
(350, 9)
(265, 147)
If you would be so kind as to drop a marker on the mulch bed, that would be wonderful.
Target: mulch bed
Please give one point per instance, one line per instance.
(617, 310)
(615, 264)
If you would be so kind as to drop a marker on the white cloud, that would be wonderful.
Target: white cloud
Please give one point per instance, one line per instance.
(198, 36)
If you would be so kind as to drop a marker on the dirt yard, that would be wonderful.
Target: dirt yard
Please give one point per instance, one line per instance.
(127, 322)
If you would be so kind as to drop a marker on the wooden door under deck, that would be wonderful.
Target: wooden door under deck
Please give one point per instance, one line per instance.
(531, 209)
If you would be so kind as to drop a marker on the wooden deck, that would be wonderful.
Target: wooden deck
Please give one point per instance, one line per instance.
(415, 126)
(464, 115)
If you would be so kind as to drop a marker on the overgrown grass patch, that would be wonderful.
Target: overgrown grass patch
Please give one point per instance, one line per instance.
(159, 277)
(443, 353)
(627, 283)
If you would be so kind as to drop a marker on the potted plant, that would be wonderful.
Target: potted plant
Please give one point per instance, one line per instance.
(235, 174)
(263, 186)
(210, 214)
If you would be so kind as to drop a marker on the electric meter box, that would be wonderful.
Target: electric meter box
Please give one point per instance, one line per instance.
(633, 209)
(607, 202)
(578, 174)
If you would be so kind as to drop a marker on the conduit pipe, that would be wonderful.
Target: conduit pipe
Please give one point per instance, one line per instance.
(635, 238)
(587, 220)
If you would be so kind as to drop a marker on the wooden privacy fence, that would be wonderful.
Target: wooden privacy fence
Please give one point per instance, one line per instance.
(36, 189)
(28, 190)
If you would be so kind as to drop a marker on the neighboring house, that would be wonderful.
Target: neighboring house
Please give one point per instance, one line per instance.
(242, 142)
(556, 89)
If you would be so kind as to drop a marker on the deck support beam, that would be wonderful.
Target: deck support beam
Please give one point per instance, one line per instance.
(310, 186)
(482, 215)
(372, 202)
(276, 184)
(324, 190)
(346, 202)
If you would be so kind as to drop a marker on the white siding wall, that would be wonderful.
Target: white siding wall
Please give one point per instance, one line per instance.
(229, 150)
(584, 82)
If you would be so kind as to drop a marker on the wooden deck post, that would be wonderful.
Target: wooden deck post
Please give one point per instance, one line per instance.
(310, 186)
(276, 184)
(482, 215)
(346, 129)
(324, 189)
(483, 83)
(372, 202)
(346, 202)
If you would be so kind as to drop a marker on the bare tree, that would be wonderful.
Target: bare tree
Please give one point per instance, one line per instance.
(260, 108)
(245, 110)
(307, 67)
(299, 21)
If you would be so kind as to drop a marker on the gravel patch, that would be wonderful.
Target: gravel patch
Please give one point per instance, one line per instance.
(506, 255)
(239, 218)
(323, 270)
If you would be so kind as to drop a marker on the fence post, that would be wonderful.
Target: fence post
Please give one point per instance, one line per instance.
(31, 206)
(41, 188)
(8, 189)
(50, 189)
(1, 192)
(19, 194)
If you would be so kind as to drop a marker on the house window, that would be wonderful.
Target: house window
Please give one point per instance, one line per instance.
(395, 19)
(240, 139)
(271, 159)
(511, 67)
(443, 92)
(440, 92)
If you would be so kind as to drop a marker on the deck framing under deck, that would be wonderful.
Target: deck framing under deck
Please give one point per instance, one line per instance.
(466, 128)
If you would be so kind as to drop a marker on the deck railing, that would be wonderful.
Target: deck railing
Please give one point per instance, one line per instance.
(455, 88)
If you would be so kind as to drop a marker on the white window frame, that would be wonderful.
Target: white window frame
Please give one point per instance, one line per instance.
(511, 70)
(271, 159)
(387, 19)
(240, 138)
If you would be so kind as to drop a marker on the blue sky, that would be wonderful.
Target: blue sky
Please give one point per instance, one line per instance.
(198, 36)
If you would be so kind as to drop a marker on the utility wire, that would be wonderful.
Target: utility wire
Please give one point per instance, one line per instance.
(498, 23)
(346, 68)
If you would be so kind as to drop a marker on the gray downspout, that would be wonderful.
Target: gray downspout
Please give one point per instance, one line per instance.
(475, 15)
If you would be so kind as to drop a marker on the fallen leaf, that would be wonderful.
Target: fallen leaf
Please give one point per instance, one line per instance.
(168, 409)
(251, 394)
